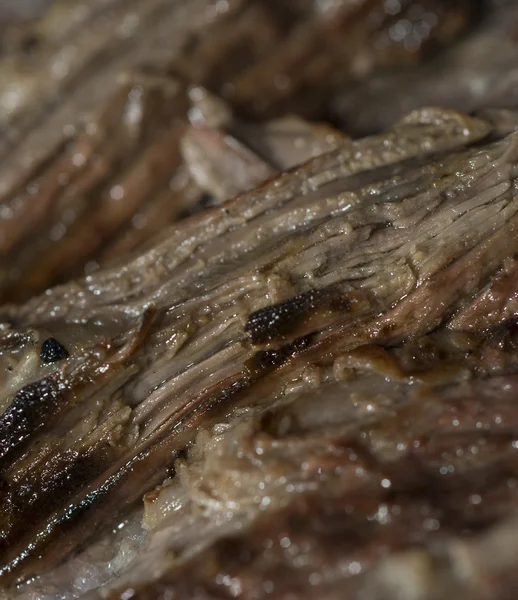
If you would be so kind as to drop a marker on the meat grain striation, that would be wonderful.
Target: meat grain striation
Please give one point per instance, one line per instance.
(304, 383)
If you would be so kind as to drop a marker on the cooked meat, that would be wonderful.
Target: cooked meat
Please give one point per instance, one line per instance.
(280, 362)
(479, 72)
(348, 502)
(93, 103)
(328, 342)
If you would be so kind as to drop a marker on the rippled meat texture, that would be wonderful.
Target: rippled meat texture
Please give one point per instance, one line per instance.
(93, 104)
(291, 368)
(311, 386)
(348, 502)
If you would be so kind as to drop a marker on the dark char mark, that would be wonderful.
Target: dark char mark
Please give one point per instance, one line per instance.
(28, 412)
(52, 351)
(276, 321)
(66, 475)
(280, 321)
(265, 361)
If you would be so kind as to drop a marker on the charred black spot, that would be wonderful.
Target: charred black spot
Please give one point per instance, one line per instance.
(272, 322)
(31, 405)
(53, 351)
(280, 322)
(267, 360)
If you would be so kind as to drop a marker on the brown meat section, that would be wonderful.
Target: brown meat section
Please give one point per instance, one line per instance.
(478, 72)
(298, 283)
(335, 481)
(93, 104)
(291, 357)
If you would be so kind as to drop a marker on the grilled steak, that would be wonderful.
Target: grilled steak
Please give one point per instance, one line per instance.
(281, 362)
(93, 102)
(336, 351)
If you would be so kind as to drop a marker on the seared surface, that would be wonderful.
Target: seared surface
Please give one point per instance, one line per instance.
(286, 363)
(92, 107)
(296, 284)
